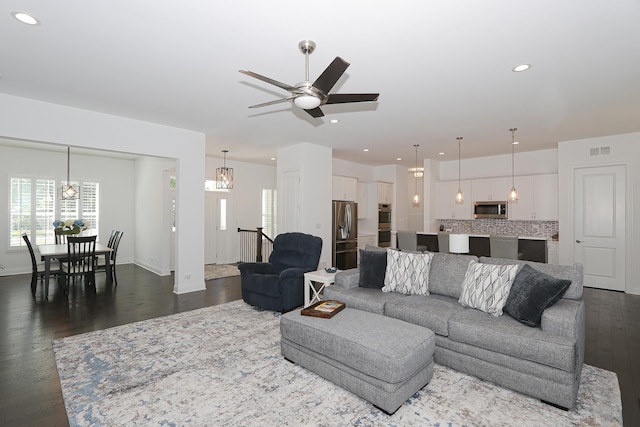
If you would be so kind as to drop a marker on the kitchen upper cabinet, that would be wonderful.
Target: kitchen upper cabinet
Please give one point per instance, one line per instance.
(537, 198)
(345, 188)
(490, 189)
(446, 206)
(385, 192)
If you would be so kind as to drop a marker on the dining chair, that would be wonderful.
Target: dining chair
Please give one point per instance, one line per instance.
(408, 241)
(501, 246)
(80, 262)
(114, 242)
(61, 239)
(36, 274)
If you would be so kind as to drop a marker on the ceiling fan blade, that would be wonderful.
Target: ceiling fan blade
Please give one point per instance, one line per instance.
(277, 101)
(342, 98)
(270, 81)
(315, 112)
(331, 74)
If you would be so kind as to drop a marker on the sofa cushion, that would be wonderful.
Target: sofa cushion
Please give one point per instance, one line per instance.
(447, 272)
(366, 299)
(373, 265)
(431, 311)
(506, 335)
(531, 293)
(407, 273)
(486, 286)
(569, 272)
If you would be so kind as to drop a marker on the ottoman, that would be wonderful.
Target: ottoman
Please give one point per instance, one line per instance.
(381, 359)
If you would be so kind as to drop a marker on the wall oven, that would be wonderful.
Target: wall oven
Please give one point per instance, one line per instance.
(384, 225)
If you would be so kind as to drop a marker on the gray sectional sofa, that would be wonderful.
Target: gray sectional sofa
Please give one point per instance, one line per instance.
(544, 362)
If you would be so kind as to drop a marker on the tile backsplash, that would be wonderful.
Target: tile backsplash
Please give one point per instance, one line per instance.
(544, 229)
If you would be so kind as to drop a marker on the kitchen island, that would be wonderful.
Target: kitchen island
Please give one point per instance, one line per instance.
(531, 248)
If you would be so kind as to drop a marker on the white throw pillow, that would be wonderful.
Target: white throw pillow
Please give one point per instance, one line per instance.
(407, 273)
(486, 286)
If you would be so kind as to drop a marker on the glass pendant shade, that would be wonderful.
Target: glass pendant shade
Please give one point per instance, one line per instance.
(307, 102)
(513, 193)
(224, 175)
(67, 190)
(459, 195)
(416, 196)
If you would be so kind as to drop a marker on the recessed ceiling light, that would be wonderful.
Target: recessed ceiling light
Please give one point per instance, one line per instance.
(515, 143)
(441, 153)
(398, 158)
(335, 121)
(273, 158)
(25, 18)
(520, 68)
(365, 150)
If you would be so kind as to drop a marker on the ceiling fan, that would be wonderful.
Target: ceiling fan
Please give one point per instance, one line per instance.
(310, 96)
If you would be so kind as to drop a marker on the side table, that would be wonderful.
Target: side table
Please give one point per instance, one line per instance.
(319, 276)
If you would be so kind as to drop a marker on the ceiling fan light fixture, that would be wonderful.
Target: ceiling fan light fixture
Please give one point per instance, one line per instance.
(307, 102)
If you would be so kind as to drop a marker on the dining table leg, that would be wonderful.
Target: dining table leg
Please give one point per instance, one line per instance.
(47, 271)
(107, 266)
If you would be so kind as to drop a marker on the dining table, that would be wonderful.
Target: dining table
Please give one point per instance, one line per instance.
(53, 252)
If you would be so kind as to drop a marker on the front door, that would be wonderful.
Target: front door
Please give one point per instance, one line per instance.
(600, 225)
(216, 240)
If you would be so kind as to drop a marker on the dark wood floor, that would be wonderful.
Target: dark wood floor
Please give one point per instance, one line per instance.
(30, 392)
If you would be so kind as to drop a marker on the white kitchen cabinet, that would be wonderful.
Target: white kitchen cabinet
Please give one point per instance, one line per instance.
(446, 206)
(537, 198)
(345, 188)
(385, 192)
(490, 189)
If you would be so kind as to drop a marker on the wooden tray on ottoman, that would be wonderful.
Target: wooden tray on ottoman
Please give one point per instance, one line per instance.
(326, 309)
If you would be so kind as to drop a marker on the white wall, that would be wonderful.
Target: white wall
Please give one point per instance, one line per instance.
(624, 150)
(315, 165)
(151, 214)
(45, 122)
(115, 189)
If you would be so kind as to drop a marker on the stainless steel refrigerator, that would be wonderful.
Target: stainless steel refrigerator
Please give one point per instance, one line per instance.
(344, 248)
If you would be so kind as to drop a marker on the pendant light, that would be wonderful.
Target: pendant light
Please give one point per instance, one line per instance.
(224, 175)
(67, 191)
(459, 196)
(513, 193)
(416, 197)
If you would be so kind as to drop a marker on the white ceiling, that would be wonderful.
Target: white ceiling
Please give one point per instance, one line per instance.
(442, 68)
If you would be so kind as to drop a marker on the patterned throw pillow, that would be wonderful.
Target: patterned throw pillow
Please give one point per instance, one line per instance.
(407, 273)
(486, 286)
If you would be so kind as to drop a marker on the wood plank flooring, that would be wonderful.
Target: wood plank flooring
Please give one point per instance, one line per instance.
(29, 388)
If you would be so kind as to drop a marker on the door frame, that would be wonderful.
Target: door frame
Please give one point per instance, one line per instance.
(569, 230)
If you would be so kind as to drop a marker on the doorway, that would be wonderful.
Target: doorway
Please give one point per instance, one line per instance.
(600, 225)
(216, 229)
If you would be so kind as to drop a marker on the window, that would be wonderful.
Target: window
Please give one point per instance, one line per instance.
(269, 209)
(34, 207)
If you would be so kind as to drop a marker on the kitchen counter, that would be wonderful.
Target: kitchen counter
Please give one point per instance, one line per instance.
(532, 248)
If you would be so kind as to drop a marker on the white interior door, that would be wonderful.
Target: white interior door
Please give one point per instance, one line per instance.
(216, 240)
(600, 227)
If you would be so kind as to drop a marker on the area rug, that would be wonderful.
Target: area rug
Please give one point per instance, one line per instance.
(218, 271)
(221, 366)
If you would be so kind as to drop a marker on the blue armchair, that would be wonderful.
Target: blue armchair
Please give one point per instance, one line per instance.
(279, 284)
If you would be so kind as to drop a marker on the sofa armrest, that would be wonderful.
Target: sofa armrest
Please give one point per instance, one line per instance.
(348, 278)
(564, 318)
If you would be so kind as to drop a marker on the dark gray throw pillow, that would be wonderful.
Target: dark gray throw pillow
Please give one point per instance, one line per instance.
(373, 265)
(531, 293)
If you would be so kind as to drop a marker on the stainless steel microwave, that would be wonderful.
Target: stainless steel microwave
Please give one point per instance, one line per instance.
(491, 209)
